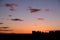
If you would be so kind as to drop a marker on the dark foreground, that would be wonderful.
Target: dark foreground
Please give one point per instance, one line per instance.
(52, 35)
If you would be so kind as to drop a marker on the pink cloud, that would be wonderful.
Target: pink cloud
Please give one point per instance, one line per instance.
(40, 18)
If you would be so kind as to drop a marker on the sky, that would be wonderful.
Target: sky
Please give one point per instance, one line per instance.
(51, 18)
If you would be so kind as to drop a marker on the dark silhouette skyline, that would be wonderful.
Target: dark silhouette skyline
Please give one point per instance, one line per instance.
(36, 35)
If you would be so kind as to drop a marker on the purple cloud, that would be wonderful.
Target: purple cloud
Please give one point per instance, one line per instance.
(32, 10)
(40, 18)
(17, 20)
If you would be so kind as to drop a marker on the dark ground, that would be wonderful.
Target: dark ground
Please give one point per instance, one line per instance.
(52, 35)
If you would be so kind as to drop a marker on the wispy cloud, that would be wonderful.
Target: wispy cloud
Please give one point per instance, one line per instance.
(17, 19)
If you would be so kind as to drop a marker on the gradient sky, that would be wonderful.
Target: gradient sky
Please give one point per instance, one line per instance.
(51, 18)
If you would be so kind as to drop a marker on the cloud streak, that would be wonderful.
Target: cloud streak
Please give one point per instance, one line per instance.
(1, 23)
(40, 18)
(17, 19)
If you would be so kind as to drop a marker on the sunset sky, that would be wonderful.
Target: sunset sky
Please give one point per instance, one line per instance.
(51, 18)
